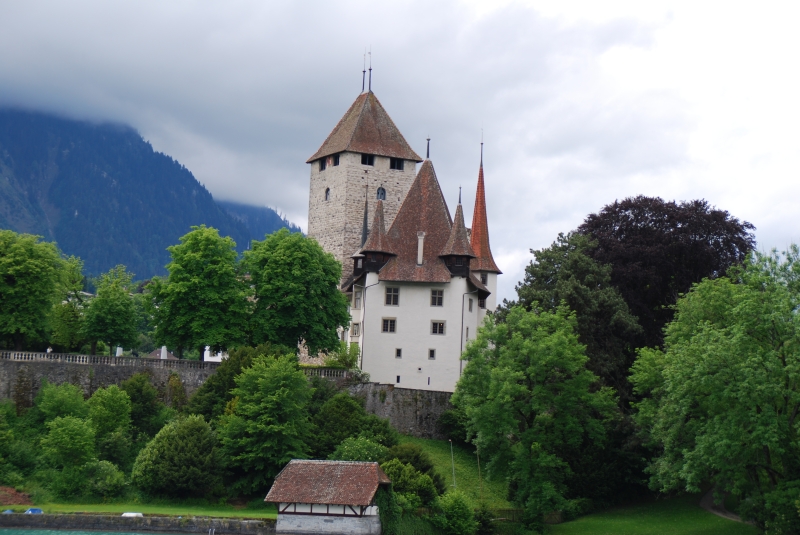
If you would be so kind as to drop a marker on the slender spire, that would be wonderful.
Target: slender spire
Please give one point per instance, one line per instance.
(480, 229)
(458, 242)
(459, 194)
(370, 69)
(377, 242)
(428, 152)
(364, 71)
(364, 229)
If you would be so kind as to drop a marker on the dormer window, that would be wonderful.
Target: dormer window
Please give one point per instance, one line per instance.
(484, 278)
(335, 160)
(381, 195)
(327, 194)
(368, 159)
(323, 163)
(459, 261)
(396, 164)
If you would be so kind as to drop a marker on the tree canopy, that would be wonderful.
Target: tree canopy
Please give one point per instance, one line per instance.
(111, 315)
(203, 301)
(532, 406)
(658, 249)
(297, 293)
(724, 395)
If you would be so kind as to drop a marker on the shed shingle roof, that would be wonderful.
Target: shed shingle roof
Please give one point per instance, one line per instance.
(366, 128)
(458, 243)
(480, 231)
(423, 210)
(327, 482)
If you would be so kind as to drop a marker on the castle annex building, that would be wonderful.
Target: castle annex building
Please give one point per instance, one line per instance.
(418, 280)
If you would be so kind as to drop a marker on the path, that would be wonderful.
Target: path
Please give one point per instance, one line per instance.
(707, 503)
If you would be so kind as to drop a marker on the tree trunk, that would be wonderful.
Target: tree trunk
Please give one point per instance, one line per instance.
(202, 353)
(18, 339)
(93, 351)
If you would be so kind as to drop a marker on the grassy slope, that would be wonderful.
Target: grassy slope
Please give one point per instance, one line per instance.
(676, 516)
(466, 463)
(162, 510)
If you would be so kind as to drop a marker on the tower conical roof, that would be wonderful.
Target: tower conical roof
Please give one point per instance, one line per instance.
(377, 242)
(423, 210)
(366, 128)
(480, 230)
(458, 243)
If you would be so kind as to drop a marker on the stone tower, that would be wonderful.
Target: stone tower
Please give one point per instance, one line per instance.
(365, 157)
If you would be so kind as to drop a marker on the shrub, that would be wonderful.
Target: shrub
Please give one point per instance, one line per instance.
(417, 457)
(110, 410)
(359, 449)
(104, 480)
(61, 400)
(145, 407)
(416, 489)
(182, 460)
(69, 443)
(455, 516)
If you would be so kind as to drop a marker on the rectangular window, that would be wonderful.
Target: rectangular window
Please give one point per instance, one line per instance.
(358, 263)
(389, 325)
(429, 381)
(470, 304)
(367, 159)
(431, 354)
(356, 329)
(482, 303)
(322, 164)
(398, 353)
(459, 261)
(398, 379)
(484, 278)
(335, 159)
(437, 327)
(396, 164)
(393, 296)
(357, 300)
(437, 297)
(467, 337)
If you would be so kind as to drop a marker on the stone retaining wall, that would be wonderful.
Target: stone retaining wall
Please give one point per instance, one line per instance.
(412, 412)
(161, 524)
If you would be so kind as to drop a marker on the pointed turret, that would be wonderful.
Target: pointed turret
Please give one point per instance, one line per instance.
(377, 242)
(458, 242)
(368, 129)
(480, 230)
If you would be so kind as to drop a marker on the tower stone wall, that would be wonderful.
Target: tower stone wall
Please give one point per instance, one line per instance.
(337, 223)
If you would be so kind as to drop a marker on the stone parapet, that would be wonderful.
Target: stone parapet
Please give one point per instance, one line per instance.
(159, 524)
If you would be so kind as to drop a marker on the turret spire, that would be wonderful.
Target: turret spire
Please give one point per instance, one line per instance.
(480, 229)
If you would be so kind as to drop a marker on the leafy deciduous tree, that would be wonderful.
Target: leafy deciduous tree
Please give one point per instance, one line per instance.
(658, 249)
(297, 292)
(66, 320)
(65, 399)
(203, 302)
(724, 395)
(532, 405)
(111, 315)
(69, 442)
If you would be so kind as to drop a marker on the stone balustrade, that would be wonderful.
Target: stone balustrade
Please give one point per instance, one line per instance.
(69, 358)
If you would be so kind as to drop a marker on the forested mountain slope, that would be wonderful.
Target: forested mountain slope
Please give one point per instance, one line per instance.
(103, 194)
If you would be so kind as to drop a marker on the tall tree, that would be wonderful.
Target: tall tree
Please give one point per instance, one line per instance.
(297, 292)
(564, 274)
(203, 302)
(266, 424)
(723, 398)
(111, 315)
(67, 317)
(658, 249)
(533, 407)
(29, 277)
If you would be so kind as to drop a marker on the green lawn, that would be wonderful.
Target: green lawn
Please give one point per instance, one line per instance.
(676, 516)
(466, 463)
(268, 511)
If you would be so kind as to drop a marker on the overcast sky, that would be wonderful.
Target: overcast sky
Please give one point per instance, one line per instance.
(581, 103)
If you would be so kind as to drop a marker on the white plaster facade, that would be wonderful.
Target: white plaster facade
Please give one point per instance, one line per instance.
(302, 524)
(414, 317)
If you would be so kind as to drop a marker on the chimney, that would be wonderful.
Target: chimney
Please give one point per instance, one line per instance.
(163, 352)
(420, 246)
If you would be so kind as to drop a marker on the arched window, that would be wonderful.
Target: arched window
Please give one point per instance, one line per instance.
(381, 194)
(327, 194)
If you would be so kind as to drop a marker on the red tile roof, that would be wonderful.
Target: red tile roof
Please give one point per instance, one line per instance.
(458, 243)
(327, 482)
(423, 210)
(377, 241)
(480, 231)
(366, 128)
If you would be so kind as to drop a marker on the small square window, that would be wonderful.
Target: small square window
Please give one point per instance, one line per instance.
(482, 303)
(335, 160)
(396, 164)
(437, 327)
(357, 299)
(459, 261)
(431, 354)
(368, 159)
(398, 379)
(393, 296)
(470, 304)
(323, 163)
(358, 263)
(356, 329)
(467, 337)
(389, 326)
(484, 278)
(437, 297)
(398, 353)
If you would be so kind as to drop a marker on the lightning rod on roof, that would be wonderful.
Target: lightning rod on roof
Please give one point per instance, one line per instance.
(428, 153)
(364, 72)
(459, 194)
(370, 69)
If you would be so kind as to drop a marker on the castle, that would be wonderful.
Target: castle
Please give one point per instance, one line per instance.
(419, 282)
